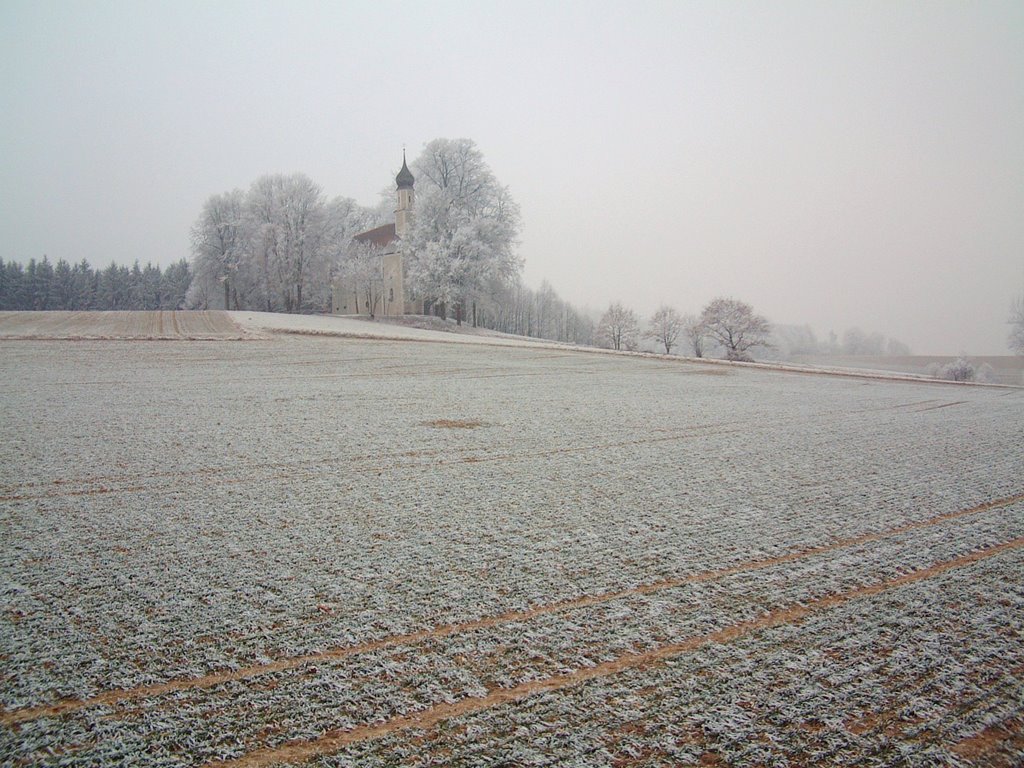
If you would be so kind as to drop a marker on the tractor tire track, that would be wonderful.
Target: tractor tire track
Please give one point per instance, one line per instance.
(940, 405)
(112, 697)
(334, 741)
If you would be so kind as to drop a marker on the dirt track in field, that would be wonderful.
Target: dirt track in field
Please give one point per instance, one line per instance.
(362, 554)
(282, 665)
(334, 741)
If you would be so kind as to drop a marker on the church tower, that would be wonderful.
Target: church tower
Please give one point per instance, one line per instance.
(392, 299)
(403, 213)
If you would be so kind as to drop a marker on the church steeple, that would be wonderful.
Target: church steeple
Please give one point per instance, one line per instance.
(403, 213)
(404, 179)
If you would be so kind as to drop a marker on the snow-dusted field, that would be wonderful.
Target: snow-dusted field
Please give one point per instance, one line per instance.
(217, 325)
(353, 552)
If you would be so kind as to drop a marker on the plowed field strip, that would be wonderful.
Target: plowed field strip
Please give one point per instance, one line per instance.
(112, 697)
(334, 741)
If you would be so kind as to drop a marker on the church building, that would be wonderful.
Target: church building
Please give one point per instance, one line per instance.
(395, 296)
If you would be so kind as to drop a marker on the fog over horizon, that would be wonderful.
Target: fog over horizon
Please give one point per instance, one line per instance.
(833, 164)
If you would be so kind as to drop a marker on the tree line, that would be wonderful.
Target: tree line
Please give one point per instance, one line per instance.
(539, 313)
(280, 245)
(730, 328)
(43, 285)
(275, 247)
(725, 325)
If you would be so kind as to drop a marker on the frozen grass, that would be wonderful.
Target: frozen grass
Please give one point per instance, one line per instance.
(310, 537)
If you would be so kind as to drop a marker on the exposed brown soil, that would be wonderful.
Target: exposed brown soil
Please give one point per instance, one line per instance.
(112, 697)
(332, 741)
(453, 423)
(995, 746)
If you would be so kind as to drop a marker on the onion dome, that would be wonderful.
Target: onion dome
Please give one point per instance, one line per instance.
(404, 179)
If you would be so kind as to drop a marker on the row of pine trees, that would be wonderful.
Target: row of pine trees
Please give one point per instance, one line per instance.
(42, 285)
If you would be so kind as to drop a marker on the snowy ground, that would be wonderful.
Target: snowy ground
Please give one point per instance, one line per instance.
(367, 552)
(412, 328)
(216, 325)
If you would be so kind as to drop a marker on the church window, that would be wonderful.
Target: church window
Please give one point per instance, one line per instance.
(391, 294)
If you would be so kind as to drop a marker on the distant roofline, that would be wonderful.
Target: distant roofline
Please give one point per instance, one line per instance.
(382, 235)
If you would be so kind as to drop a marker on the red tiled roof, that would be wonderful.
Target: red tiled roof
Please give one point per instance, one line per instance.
(380, 236)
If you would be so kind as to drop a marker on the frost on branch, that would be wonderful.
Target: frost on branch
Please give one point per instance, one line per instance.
(465, 227)
(733, 324)
(665, 327)
(274, 247)
(962, 369)
(361, 271)
(619, 328)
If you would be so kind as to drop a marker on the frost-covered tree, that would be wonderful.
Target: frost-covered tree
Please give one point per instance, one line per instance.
(857, 342)
(83, 278)
(40, 283)
(896, 348)
(174, 285)
(361, 271)
(665, 327)
(344, 218)
(790, 340)
(619, 327)
(1016, 321)
(695, 333)
(63, 289)
(80, 287)
(289, 226)
(515, 308)
(734, 325)
(220, 245)
(112, 287)
(465, 226)
(960, 369)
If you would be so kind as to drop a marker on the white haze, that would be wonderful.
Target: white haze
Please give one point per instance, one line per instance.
(837, 164)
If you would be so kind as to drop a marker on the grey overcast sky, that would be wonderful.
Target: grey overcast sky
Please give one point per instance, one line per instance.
(833, 163)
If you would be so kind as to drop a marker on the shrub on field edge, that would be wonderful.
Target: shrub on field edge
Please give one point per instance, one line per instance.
(961, 369)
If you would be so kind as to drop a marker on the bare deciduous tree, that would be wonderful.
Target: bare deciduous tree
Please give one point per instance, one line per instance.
(695, 333)
(619, 327)
(666, 325)
(733, 324)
